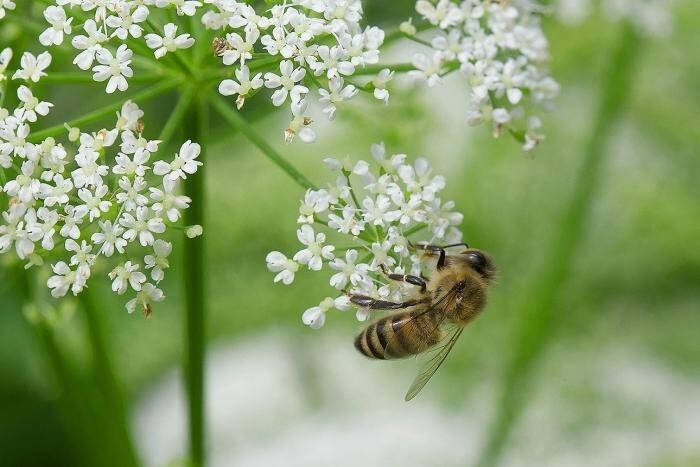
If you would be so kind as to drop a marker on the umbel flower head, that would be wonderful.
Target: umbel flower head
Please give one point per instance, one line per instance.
(311, 44)
(100, 32)
(102, 197)
(501, 50)
(364, 225)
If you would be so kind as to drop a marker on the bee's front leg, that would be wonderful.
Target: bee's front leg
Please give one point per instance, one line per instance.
(414, 280)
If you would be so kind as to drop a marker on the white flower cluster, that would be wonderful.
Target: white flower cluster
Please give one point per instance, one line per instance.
(317, 43)
(501, 49)
(100, 195)
(375, 208)
(106, 26)
(651, 17)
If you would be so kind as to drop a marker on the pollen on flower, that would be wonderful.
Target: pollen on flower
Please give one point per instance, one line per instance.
(374, 211)
(95, 198)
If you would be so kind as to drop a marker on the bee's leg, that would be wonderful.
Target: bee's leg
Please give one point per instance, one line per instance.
(440, 249)
(374, 304)
(414, 280)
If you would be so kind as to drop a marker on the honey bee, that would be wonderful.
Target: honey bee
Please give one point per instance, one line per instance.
(435, 317)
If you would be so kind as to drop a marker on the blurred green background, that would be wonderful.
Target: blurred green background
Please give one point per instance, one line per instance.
(618, 384)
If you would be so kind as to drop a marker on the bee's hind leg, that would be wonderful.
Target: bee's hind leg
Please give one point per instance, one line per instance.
(414, 280)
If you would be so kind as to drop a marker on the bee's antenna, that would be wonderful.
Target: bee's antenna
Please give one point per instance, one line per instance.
(457, 244)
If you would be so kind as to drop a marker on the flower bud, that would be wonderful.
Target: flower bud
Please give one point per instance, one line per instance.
(408, 28)
(194, 231)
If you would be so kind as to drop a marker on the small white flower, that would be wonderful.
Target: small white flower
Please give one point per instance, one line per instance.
(41, 226)
(279, 43)
(183, 7)
(349, 270)
(243, 87)
(129, 116)
(427, 69)
(158, 261)
(131, 196)
(110, 237)
(315, 316)
(126, 22)
(31, 106)
(348, 223)
(126, 275)
(82, 257)
(287, 82)
(89, 44)
(65, 278)
(315, 252)
(443, 13)
(115, 68)
(378, 211)
(332, 60)
(56, 17)
(240, 49)
(132, 167)
(5, 57)
(93, 205)
(143, 226)
(167, 203)
(380, 82)
(336, 94)
(184, 164)
(300, 124)
(315, 202)
(148, 295)
(32, 68)
(169, 42)
(286, 268)
(89, 171)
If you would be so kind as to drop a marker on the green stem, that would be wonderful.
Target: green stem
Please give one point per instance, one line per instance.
(86, 77)
(107, 381)
(149, 93)
(238, 122)
(74, 403)
(537, 311)
(194, 290)
(375, 69)
(177, 115)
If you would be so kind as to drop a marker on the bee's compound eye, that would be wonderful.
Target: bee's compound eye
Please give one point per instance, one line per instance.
(477, 260)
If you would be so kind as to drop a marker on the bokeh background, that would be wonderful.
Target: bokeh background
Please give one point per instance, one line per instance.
(618, 383)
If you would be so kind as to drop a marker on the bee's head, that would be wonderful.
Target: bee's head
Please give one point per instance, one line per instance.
(480, 262)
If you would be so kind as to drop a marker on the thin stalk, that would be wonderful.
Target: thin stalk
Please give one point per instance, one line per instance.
(149, 93)
(240, 124)
(538, 306)
(374, 69)
(108, 383)
(177, 115)
(84, 77)
(194, 290)
(73, 405)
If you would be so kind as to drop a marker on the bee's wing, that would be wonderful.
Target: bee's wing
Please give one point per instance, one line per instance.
(434, 363)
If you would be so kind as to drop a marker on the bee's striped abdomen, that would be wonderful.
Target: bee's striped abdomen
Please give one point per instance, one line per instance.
(398, 336)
